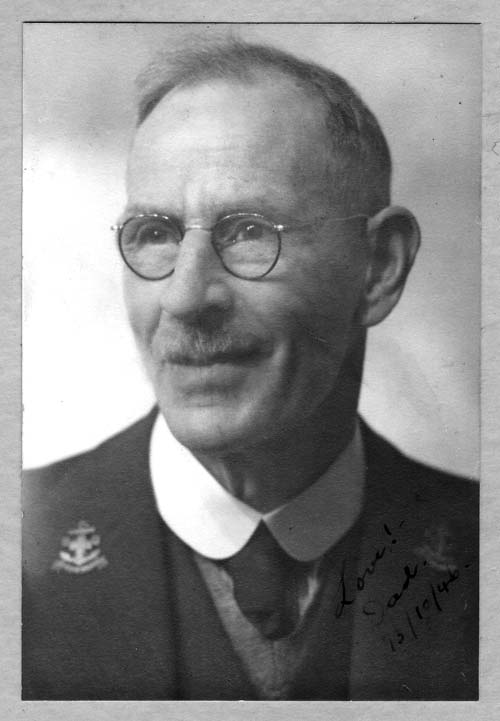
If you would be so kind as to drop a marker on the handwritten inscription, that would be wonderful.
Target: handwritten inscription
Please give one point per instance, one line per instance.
(418, 613)
(370, 570)
(413, 612)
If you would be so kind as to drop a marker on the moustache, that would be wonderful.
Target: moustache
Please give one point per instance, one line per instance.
(198, 347)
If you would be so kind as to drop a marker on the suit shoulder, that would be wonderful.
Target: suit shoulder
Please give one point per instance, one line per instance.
(97, 474)
(83, 464)
(443, 488)
(413, 483)
(438, 478)
(86, 486)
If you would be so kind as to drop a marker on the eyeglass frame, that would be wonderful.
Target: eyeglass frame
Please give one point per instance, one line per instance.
(277, 227)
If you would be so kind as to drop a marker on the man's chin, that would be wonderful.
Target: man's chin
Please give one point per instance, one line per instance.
(209, 430)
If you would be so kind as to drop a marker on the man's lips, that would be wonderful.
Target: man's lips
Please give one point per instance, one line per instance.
(210, 358)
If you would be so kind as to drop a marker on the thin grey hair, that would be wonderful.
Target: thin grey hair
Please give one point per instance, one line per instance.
(361, 173)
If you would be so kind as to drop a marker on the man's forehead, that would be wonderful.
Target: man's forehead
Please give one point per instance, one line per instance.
(264, 130)
(220, 109)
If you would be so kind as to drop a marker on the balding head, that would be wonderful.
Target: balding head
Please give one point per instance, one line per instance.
(361, 168)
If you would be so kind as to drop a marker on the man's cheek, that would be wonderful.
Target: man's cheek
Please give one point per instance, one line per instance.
(144, 312)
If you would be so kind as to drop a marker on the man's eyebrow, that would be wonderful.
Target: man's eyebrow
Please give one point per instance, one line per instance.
(140, 208)
(260, 206)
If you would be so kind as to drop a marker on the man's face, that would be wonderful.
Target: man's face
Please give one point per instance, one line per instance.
(236, 363)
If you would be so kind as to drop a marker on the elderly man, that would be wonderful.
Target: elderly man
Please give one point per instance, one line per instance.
(251, 537)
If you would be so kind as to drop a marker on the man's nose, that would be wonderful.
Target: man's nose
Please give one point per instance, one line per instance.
(199, 284)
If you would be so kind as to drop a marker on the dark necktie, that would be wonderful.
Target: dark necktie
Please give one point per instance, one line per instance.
(266, 583)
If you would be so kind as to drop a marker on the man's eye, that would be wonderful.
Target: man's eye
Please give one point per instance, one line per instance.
(249, 231)
(245, 233)
(154, 234)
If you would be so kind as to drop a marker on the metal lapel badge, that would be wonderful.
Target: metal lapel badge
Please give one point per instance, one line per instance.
(80, 552)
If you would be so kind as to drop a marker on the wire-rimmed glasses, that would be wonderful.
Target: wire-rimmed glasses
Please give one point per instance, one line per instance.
(248, 244)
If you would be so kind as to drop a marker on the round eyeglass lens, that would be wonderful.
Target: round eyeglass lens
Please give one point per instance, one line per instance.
(248, 246)
(150, 245)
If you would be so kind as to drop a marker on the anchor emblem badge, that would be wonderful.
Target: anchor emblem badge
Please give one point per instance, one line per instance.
(80, 552)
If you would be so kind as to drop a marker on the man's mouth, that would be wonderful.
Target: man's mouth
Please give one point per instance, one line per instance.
(245, 355)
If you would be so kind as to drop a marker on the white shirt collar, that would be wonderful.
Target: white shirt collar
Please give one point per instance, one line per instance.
(217, 525)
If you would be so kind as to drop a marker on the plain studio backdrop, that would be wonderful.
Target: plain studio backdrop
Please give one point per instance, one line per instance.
(82, 376)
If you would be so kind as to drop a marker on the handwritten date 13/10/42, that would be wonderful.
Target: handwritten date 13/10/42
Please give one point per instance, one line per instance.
(419, 612)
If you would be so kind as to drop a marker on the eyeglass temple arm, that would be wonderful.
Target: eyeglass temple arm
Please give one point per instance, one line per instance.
(302, 226)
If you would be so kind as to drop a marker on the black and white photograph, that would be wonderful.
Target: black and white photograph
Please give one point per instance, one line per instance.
(251, 361)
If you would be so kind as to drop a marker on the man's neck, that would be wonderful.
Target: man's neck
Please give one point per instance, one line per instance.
(267, 476)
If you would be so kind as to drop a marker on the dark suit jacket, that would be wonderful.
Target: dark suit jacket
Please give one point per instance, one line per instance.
(129, 616)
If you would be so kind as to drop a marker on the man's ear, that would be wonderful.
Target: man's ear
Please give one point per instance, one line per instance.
(394, 238)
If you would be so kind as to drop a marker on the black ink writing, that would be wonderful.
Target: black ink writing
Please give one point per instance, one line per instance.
(409, 576)
(421, 611)
(341, 589)
(344, 598)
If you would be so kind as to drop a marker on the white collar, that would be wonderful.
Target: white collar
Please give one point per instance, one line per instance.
(217, 525)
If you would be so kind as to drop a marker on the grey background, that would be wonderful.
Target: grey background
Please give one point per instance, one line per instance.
(82, 377)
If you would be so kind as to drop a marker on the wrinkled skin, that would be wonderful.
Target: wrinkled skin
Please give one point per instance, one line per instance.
(207, 151)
